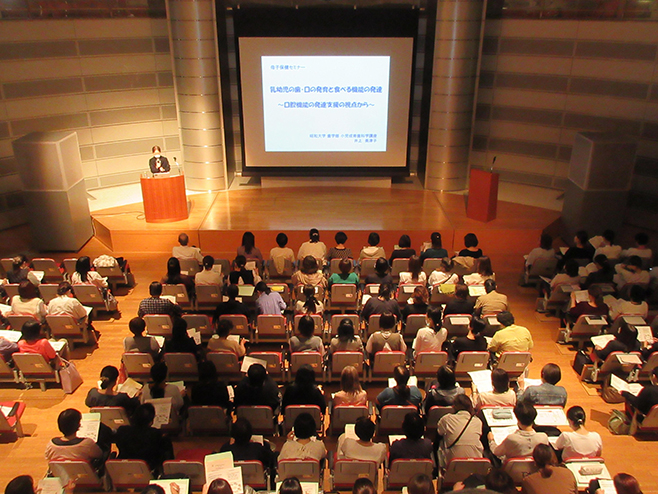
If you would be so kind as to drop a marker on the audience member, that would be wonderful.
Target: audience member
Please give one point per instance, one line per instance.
(175, 277)
(311, 304)
(607, 245)
(340, 251)
(180, 341)
(420, 484)
(361, 448)
(631, 273)
(471, 248)
(415, 273)
(403, 250)
(155, 304)
(443, 391)
(381, 275)
(304, 390)
(436, 251)
(417, 304)
(582, 249)
(386, 339)
(636, 306)
(414, 445)
(498, 480)
(474, 341)
(208, 276)
(306, 341)
(7, 349)
(401, 393)
(309, 273)
(547, 393)
(106, 395)
(231, 307)
(303, 441)
(460, 304)
(244, 449)
(362, 485)
(346, 275)
(641, 248)
(593, 306)
(70, 446)
(579, 442)
(492, 302)
(249, 250)
(66, 304)
(280, 254)
(220, 341)
(20, 271)
(600, 272)
(33, 341)
(460, 432)
(645, 399)
(159, 388)
(28, 303)
(138, 342)
(544, 251)
(209, 390)
(511, 338)
(569, 278)
(483, 273)
(84, 274)
(624, 484)
(313, 247)
(240, 275)
(351, 392)
(346, 341)
(432, 337)
(381, 303)
(217, 486)
(501, 395)
(625, 341)
(290, 486)
(257, 388)
(522, 442)
(268, 302)
(185, 251)
(373, 249)
(550, 479)
(442, 274)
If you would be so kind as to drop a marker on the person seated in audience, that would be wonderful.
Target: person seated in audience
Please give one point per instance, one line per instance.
(579, 442)
(155, 304)
(474, 341)
(570, 277)
(7, 349)
(442, 274)
(547, 393)
(544, 251)
(599, 271)
(85, 274)
(33, 341)
(593, 306)
(217, 486)
(66, 304)
(361, 486)
(415, 273)
(309, 273)
(361, 448)
(625, 341)
(24, 484)
(351, 392)
(420, 484)
(404, 250)
(313, 247)
(249, 250)
(471, 248)
(280, 254)
(498, 480)
(381, 275)
(381, 303)
(436, 251)
(106, 395)
(141, 441)
(401, 393)
(346, 275)
(443, 391)
(460, 304)
(244, 449)
(460, 432)
(645, 399)
(209, 390)
(607, 245)
(550, 479)
(306, 341)
(70, 446)
(311, 305)
(387, 338)
(268, 301)
(304, 391)
(240, 275)
(180, 341)
(492, 302)
(522, 442)
(290, 486)
(581, 250)
(220, 341)
(159, 388)
(346, 341)
(641, 248)
(340, 251)
(28, 303)
(502, 395)
(484, 272)
(232, 306)
(174, 277)
(302, 441)
(631, 272)
(138, 342)
(417, 304)
(185, 251)
(20, 271)
(636, 306)
(208, 276)
(257, 388)
(511, 337)
(414, 445)
(373, 250)
(432, 337)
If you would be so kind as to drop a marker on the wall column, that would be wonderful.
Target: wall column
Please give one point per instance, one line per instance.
(454, 80)
(193, 39)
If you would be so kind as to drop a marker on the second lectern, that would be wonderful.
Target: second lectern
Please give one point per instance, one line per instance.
(482, 196)
(164, 198)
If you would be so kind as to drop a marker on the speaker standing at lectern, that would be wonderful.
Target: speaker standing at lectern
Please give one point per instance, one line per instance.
(158, 163)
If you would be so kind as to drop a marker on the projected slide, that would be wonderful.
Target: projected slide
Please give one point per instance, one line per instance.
(325, 103)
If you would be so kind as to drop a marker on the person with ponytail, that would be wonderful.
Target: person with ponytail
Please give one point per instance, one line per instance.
(159, 388)
(401, 393)
(313, 247)
(311, 305)
(105, 395)
(579, 442)
(550, 479)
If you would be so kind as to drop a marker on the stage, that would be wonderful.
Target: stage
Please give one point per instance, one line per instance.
(217, 220)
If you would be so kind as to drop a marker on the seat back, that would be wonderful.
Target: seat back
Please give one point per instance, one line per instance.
(520, 468)
(261, 418)
(457, 324)
(373, 323)
(240, 324)
(514, 363)
(138, 365)
(430, 264)
(340, 360)
(346, 414)
(314, 359)
(272, 327)
(6, 372)
(317, 320)
(193, 470)
(292, 411)
(7, 264)
(470, 361)
(460, 468)
(492, 324)
(587, 326)
(405, 291)
(33, 367)
(299, 292)
(190, 267)
(403, 470)
(11, 289)
(274, 362)
(545, 267)
(337, 318)
(48, 291)
(16, 321)
(227, 365)
(434, 415)
(427, 363)
(612, 364)
(391, 418)
(306, 470)
(207, 420)
(208, 295)
(282, 289)
(346, 472)
(225, 266)
(384, 362)
(114, 274)
(179, 292)
(50, 269)
(398, 266)
(413, 323)
(158, 325)
(287, 272)
(128, 474)
(89, 295)
(85, 476)
(181, 367)
(371, 289)
(334, 265)
(113, 417)
(650, 422)
(64, 326)
(648, 367)
(367, 268)
(253, 474)
(344, 294)
(200, 322)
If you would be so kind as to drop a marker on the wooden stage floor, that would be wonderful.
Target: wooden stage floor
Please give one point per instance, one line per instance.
(218, 220)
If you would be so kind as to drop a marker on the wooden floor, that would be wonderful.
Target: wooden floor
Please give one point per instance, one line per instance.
(622, 453)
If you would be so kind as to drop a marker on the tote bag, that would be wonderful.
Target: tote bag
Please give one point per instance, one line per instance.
(70, 377)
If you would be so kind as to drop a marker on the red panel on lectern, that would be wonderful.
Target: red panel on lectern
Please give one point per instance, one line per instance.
(482, 196)
(164, 199)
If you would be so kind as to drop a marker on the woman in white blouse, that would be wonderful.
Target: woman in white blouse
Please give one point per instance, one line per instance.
(578, 443)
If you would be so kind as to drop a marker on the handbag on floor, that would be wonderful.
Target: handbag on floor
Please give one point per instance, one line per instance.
(69, 376)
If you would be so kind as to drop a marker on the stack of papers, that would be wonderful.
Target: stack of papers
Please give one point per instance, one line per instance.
(602, 340)
(644, 334)
(58, 345)
(51, 485)
(194, 334)
(580, 295)
(248, 362)
(220, 466)
(90, 425)
(621, 385)
(393, 437)
(482, 380)
(551, 416)
(10, 335)
(476, 290)
(173, 486)
(162, 411)
(413, 381)
(130, 387)
(629, 359)
(500, 433)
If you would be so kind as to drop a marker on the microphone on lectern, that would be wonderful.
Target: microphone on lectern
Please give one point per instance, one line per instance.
(492, 163)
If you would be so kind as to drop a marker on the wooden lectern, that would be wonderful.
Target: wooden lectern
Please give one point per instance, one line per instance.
(164, 198)
(482, 196)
